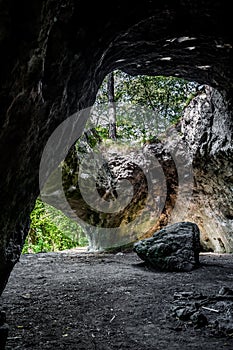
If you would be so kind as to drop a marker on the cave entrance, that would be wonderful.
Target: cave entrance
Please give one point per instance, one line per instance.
(129, 124)
(135, 119)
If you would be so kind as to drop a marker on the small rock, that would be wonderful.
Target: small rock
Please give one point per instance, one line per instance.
(225, 291)
(224, 326)
(4, 329)
(199, 320)
(185, 313)
(2, 317)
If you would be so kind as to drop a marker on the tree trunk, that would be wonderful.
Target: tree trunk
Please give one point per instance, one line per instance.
(112, 107)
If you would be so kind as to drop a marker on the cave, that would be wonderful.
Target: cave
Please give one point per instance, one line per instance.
(54, 57)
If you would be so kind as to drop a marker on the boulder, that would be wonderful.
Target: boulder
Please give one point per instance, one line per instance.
(174, 248)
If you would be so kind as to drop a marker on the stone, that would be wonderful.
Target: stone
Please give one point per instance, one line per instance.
(201, 310)
(185, 313)
(199, 320)
(174, 248)
(224, 326)
(207, 128)
(225, 291)
(2, 317)
(4, 329)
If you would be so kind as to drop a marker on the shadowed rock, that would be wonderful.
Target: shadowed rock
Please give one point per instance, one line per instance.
(174, 248)
(4, 328)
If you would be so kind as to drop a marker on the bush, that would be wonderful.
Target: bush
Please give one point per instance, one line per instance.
(51, 230)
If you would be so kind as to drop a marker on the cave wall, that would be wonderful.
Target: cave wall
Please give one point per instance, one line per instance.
(207, 127)
(54, 55)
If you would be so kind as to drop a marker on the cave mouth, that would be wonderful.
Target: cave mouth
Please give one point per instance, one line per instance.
(188, 134)
(185, 127)
(167, 122)
(145, 107)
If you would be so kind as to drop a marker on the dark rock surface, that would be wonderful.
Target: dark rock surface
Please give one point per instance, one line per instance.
(174, 248)
(4, 329)
(54, 56)
(198, 310)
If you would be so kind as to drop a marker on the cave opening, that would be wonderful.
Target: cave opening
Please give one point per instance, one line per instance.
(147, 109)
(192, 126)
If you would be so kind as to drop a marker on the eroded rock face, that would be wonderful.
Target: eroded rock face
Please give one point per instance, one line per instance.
(207, 127)
(174, 248)
(207, 131)
(105, 217)
(53, 61)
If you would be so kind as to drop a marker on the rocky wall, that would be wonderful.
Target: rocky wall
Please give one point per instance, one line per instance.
(207, 127)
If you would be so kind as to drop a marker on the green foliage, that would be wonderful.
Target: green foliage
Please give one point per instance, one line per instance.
(50, 230)
(102, 132)
(158, 101)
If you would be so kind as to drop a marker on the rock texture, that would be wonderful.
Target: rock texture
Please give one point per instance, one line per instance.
(206, 130)
(174, 248)
(213, 311)
(106, 228)
(4, 328)
(54, 55)
(207, 127)
(149, 193)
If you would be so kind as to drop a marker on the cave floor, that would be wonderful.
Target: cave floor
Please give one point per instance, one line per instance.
(79, 300)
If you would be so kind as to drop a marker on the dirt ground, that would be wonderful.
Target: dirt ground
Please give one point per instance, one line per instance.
(78, 300)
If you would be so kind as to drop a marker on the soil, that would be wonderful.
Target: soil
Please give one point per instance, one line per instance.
(78, 300)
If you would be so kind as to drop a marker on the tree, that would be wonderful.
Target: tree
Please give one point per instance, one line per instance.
(112, 107)
(166, 96)
(146, 105)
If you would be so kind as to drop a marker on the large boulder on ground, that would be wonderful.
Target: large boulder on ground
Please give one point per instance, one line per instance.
(174, 248)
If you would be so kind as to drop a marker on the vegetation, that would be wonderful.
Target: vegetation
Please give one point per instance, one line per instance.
(145, 106)
(50, 230)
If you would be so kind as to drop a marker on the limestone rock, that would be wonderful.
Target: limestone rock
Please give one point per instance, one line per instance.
(174, 248)
(207, 127)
